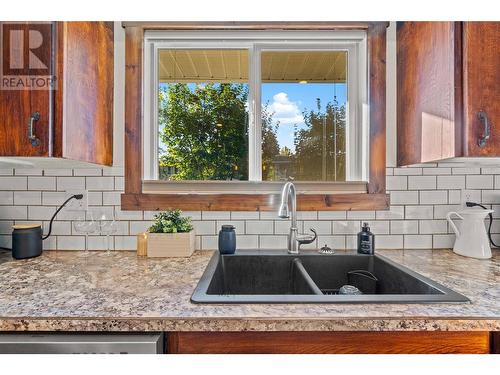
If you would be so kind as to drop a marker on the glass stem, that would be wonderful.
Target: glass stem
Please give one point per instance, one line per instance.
(107, 243)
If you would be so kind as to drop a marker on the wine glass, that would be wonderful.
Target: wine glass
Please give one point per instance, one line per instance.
(106, 224)
(84, 223)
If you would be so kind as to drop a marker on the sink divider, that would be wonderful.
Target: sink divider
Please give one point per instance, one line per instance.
(307, 278)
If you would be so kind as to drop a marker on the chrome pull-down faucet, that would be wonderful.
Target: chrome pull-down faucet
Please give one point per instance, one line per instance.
(288, 209)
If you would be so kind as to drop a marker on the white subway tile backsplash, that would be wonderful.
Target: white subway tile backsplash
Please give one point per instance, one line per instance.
(53, 198)
(321, 227)
(404, 227)
(389, 242)
(417, 241)
(244, 241)
(28, 172)
(40, 212)
(421, 196)
(99, 183)
(346, 227)
(419, 212)
(273, 242)
(112, 198)
(259, 227)
(87, 172)
(479, 182)
(283, 226)
(421, 182)
(245, 215)
(27, 197)
(404, 197)
(6, 226)
(6, 171)
(216, 215)
(124, 243)
(209, 242)
(71, 242)
(467, 170)
(437, 171)
(6, 197)
(333, 242)
(434, 197)
(13, 213)
(119, 184)
(433, 227)
(443, 241)
(451, 182)
(204, 227)
(58, 172)
(407, 171)
(397, 182)
(14, 183)
(394, 212)
(41, 183)
(360, 215)
(490, 196)
(70, 183)
(332, 215)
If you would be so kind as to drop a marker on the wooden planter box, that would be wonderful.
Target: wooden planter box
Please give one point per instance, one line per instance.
(168, 245)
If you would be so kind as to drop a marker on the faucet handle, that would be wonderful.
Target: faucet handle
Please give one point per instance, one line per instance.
(307, 238)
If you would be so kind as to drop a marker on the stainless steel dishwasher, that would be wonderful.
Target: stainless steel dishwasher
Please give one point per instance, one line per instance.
(70, 343)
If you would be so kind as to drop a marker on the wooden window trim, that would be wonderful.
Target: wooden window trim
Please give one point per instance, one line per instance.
(135, 199)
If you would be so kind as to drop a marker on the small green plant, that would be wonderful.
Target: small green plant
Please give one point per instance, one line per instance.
(170, 222)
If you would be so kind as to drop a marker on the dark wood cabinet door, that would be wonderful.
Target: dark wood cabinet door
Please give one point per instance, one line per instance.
(481, 72)
(26, 60)
(84, 101)
(428, 123)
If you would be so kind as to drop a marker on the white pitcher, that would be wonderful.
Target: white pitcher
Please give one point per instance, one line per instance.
(471, 239)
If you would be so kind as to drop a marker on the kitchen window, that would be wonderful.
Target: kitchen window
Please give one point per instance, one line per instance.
(254, 108)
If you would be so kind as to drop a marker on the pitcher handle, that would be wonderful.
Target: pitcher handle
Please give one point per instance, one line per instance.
(453, 226)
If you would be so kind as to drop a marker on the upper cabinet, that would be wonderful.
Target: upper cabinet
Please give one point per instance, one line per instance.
(56, 95)
(448, 90)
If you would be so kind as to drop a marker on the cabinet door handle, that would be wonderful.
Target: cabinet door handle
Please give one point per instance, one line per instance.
(35, 116)
(481, 115)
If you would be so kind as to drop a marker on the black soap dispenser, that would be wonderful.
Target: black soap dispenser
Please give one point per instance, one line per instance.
(366, 240)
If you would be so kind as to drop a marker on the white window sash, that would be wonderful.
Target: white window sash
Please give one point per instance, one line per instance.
(353, 41)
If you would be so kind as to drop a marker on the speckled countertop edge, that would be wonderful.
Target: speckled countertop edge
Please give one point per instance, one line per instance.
(125, 293)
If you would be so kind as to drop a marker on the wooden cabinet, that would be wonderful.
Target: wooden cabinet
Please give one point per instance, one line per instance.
(407, 342)
(448, 89)
(74, 119)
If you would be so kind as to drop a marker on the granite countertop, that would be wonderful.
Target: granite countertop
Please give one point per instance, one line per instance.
(62, 290)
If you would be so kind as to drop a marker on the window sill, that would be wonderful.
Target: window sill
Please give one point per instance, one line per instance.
(252, 202)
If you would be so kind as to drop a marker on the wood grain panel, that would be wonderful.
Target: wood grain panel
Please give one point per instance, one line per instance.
(481, 72)
(328, 342)
(377, 97)
(17, 106)
(133, 109)
(426, 79)
(86, 98)
(253, 202)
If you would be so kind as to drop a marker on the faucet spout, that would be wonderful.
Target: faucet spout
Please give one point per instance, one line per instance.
(288, 209)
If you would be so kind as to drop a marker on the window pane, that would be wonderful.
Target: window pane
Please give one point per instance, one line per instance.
(304, 98)
(203, 114)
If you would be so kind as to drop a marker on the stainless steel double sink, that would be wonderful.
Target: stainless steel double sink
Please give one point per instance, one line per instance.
(274, 276)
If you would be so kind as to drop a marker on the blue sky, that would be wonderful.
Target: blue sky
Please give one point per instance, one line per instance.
(289, 100)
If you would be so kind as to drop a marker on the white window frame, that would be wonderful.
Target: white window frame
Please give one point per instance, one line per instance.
(352, 41)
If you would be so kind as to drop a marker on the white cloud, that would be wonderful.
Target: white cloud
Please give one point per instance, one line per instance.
(285, 111)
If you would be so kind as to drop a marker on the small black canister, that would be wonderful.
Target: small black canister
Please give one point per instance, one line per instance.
(366, 241)
(227, 239)
(26, 241)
